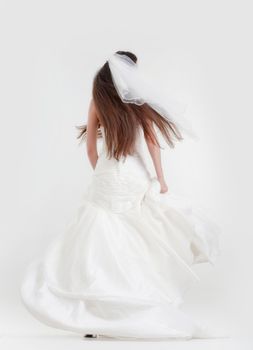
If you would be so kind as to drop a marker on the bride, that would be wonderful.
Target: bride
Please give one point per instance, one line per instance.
(123, 264)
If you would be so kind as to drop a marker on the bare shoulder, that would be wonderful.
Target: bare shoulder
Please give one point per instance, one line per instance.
(92, 115)
(93, 110)
(92, 106)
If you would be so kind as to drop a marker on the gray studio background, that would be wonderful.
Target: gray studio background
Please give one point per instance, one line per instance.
(50, 51)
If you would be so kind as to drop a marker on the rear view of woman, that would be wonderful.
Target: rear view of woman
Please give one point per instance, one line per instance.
(125, 261)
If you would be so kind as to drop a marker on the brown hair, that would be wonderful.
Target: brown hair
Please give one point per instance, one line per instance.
(121, 120)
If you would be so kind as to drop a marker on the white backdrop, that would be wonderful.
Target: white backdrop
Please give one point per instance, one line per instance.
(50, 51)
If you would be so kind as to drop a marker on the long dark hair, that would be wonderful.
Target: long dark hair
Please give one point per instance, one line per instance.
(121, 120)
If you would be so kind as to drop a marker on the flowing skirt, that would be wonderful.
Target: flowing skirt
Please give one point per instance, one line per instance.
(124, 262)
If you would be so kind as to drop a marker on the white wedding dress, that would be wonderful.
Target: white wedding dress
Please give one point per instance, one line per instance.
(123, 264)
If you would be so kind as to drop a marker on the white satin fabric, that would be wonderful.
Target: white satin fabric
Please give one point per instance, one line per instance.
(123, 264)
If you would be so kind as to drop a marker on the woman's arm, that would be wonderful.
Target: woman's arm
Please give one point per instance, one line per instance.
(91, 138)
(155, 153)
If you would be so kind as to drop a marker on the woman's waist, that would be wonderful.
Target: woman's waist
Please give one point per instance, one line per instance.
(131, 165)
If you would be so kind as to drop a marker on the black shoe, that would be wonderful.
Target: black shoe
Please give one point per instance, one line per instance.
(90, 336)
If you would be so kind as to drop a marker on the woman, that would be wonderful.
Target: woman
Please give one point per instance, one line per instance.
(124, 262)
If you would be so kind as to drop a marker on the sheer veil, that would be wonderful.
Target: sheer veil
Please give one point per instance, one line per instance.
(133, 86)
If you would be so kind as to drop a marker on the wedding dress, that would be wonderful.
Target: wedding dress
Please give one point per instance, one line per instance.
(123, 264)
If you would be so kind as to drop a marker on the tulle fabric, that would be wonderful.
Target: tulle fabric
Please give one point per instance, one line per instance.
(134, 86)
(125, 261)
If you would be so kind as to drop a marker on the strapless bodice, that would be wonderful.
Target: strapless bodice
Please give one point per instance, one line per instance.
(120, 184)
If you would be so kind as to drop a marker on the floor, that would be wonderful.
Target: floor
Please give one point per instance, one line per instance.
(75, 342)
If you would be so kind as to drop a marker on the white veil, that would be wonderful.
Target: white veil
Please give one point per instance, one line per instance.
(132, 87)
